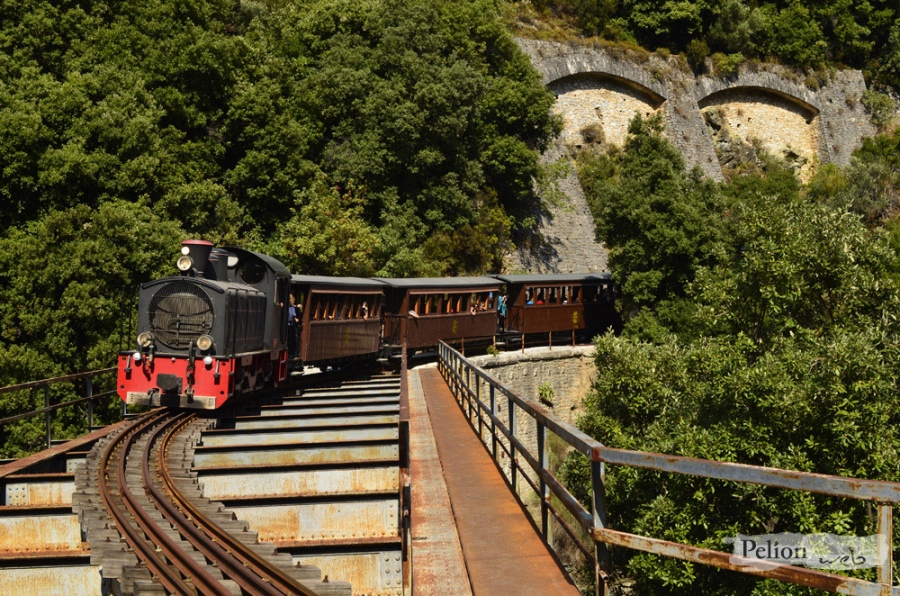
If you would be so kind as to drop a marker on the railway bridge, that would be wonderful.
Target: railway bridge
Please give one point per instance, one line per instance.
(434, 480)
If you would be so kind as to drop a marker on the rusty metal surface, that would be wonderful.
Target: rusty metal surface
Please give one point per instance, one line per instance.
(332, 482)
(79, 580)
(297, 455)
(349, 433)
(438, 565)
(356, 392)
(286, 422)
(35, 532)
(370, 574)
(323, 521)
(855, 488)
(352, 409)
(39, 491)
(37, 458)
(300, 405)
(759, 567)
(503, 552)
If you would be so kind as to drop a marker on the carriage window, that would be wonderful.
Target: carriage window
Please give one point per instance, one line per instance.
(553, 295)
(528, 296)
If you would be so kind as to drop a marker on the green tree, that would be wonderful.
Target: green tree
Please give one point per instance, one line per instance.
(68, 288)
(659, 223)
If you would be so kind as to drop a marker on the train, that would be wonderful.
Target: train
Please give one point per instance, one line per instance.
(233, 321)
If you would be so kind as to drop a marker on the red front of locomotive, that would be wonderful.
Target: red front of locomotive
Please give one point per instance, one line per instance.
(212, 333)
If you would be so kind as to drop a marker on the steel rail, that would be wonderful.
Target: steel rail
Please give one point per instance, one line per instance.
(155, 560)
(241, 563)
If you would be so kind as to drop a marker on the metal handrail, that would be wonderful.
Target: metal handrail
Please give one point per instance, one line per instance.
(465, 380)
(90, 397)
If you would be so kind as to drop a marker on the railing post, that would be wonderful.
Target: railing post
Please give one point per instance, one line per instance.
(493, 423)
(468, 392)
(601, 550)
(545, 490)
(88, 393)
(47, 414)
(478, 408)
(885, 544)
(512, 446)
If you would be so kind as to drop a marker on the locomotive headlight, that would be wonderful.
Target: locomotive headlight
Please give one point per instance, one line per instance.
(137, 357)
(184, 263)
(145, 339)
(185, 250)
(208, 361)
(204, 342)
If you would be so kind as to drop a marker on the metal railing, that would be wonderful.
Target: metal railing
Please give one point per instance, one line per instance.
(477, 394)
(49, 408)
(403, 434)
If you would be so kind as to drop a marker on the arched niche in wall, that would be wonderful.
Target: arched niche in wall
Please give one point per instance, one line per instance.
(597, 107)
(782, 125)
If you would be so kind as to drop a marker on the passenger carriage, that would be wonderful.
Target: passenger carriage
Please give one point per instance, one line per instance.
(581, 303)
(340, 318)
(428, 309)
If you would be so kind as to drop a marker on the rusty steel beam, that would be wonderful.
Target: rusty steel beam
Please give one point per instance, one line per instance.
(298, 454)
(758, 567)
(323, 521)
(281, 437)
(853, 488)
(301, 422)
(32, 532)
(40, 489)
(72, 580)
(298, 483)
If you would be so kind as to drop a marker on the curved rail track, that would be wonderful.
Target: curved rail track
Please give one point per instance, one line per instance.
(133, 501)
(299, 491)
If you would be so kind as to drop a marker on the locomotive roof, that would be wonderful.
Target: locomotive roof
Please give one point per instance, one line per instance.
(555, 278)
(322, 280)
(440, 282)
(273, 263)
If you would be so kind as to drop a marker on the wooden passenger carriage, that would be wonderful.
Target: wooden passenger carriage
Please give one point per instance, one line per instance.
(340, 318)
(429, 309)
(582, 303)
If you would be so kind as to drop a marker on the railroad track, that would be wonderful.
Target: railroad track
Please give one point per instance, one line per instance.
(177, 542)
(309, 480)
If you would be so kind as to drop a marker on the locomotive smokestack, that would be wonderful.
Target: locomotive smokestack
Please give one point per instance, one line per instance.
(195, 255)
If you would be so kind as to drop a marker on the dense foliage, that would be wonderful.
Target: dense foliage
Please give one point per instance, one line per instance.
(344, 137)
(863, 35)
(761, 328)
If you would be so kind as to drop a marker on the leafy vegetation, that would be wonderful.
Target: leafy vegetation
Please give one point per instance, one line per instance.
(382, 137)
(760, 328)
(863, 35)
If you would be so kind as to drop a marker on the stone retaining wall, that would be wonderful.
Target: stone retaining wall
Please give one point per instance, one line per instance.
(598, 91)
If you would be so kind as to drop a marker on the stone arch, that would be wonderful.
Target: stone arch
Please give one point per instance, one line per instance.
(780, 123)
(597, 107)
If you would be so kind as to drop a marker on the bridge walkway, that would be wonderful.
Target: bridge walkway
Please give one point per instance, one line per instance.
(494, 549)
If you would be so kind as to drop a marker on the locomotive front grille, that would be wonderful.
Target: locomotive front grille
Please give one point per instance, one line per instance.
(179, 314)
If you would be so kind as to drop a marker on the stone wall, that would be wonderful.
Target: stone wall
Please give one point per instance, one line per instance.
(569, 371)
(598, 91)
